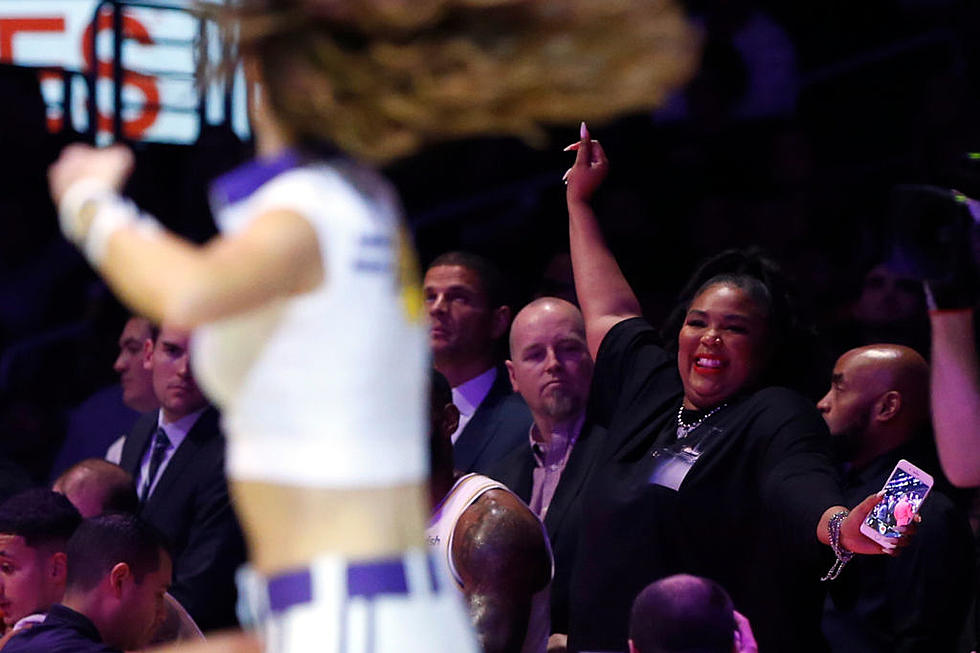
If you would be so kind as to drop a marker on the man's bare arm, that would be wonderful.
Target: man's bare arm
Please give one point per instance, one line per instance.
(501, 553)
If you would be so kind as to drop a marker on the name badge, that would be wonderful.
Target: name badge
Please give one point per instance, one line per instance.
(673, 462)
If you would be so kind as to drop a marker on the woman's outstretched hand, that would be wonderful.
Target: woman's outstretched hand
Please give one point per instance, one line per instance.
(854, 540)
(589, 170)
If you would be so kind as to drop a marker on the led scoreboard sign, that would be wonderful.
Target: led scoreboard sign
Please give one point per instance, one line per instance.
(160, 98)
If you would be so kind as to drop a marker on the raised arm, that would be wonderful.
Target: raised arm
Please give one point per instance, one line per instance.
(501, 554)
(603, 293)
(162, 276)
(956, 395)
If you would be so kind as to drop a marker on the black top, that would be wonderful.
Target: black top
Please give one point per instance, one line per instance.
(917, 601)
(745, 514)
(62, 631)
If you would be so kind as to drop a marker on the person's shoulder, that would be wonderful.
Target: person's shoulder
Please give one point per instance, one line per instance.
(500, 511)
(498, 538)
(630, 330)
(633, 343)
(777, 406)
(347, 183)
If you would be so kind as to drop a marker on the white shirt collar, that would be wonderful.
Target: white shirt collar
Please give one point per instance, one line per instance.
(469, 395)
(178, 429)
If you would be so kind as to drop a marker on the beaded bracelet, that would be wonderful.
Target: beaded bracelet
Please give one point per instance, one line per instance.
(843, 555)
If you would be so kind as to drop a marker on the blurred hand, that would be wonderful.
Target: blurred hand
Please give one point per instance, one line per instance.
(110, 166)
(557, 643)
(589, 170)
(744, 638)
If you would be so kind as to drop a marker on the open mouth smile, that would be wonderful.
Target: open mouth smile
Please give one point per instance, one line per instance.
(708, 364)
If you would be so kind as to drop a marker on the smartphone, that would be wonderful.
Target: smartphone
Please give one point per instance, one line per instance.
(905, 490)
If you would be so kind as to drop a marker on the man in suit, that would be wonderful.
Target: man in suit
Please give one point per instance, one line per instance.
(176, 456)
(97, 426)
(464, 295)
(550, 367)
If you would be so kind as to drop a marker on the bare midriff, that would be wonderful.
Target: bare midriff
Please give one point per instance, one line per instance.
(286, 526)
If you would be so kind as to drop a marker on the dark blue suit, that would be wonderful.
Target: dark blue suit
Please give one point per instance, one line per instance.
(563, 519)
(190, 505)
(499, 426)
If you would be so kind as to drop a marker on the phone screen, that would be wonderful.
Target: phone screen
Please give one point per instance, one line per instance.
(903, 496)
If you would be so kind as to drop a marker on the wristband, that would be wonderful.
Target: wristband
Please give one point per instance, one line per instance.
(77, 197)
(90, 212)
(112, 214)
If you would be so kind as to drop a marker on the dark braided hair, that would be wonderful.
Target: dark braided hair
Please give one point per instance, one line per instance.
(794, 353)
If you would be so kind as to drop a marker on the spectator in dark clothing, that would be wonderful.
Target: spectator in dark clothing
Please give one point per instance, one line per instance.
(465, 298)
(118, 572)
(877, 410)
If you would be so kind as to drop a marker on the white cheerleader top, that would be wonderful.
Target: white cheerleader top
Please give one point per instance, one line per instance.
(326, 388)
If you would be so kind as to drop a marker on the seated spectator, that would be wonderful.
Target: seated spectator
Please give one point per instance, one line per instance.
(96, 486)
(34, 529)
(177, 456)
(494, 547)
(97, 426)
(551, 369)
(685, 613)
(466, 301)
(118, 573)
(877, 410)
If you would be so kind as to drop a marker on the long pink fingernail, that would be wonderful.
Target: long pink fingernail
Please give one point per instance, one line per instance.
(583, 131)
(573, 146)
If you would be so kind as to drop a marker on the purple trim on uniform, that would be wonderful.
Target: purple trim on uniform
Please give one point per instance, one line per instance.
(289, 589)
(247, 178)
(367, 579)
(379, 577)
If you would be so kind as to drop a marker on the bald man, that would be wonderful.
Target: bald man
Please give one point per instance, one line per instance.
(877, 410)
(95, 486)
(551, 368)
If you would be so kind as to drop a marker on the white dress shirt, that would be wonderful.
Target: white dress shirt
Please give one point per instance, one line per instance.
(468, 397)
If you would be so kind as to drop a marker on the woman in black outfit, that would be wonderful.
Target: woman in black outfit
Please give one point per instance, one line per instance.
(708, 469)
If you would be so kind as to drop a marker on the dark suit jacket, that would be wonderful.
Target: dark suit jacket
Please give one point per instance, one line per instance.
(190, 505)
(499, 426)
(562, 521)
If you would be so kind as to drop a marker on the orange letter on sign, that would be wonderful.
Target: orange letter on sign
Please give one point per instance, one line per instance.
(135, 30)
(9, 27)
